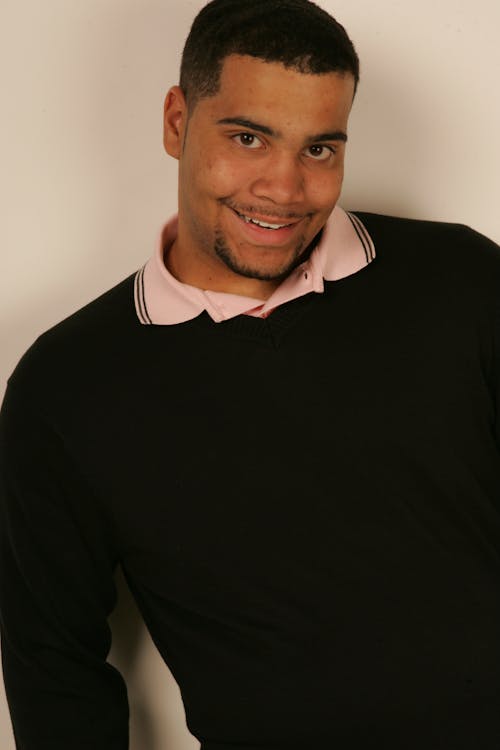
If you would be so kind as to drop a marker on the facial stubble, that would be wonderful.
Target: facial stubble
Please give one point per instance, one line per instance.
(225, 254)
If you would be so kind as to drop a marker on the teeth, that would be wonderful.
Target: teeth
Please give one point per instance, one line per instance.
(262, 224)
(268, 226)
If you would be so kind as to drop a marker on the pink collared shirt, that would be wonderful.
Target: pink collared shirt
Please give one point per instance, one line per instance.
(160, 299)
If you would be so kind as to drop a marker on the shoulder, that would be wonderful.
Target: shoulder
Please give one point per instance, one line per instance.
(454, 252)
(426, 236)
(84, 340)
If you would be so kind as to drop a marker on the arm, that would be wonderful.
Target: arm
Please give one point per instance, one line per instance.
(57, 560)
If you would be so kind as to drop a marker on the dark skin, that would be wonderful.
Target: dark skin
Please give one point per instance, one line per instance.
(256, 182)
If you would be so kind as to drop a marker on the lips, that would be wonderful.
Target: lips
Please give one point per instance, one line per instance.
(273, 226)
(266, 231)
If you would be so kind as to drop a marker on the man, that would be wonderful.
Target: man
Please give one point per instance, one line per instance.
(283, 428)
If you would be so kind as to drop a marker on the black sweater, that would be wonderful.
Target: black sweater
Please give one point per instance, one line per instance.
(306, 509)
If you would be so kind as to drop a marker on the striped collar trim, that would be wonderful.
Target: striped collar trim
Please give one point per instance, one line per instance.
(160, 299)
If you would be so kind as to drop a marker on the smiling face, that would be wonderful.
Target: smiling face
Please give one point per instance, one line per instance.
(261, 165)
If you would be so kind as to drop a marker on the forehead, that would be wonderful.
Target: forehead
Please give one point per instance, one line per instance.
(249, 86)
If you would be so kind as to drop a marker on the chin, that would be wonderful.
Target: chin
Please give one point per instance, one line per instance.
(250, 269)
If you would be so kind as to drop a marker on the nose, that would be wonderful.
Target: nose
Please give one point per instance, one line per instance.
(280, 180)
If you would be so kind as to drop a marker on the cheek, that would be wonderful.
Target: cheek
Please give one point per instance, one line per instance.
(222, 177)
(216, 171)
(324, 191)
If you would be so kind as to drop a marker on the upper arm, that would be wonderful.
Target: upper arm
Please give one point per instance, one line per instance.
(56, 591)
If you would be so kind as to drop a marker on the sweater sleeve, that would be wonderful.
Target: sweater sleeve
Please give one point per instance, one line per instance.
(56, 591)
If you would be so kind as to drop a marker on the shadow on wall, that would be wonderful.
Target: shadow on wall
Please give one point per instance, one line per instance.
(157, 718)
(388, 168)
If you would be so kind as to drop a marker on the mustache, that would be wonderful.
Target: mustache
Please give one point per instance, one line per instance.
(272, 212)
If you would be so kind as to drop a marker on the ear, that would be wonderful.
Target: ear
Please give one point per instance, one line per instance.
(174, 121)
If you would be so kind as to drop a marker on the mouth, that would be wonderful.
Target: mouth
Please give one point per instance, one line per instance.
(263, 230)
(272, 226)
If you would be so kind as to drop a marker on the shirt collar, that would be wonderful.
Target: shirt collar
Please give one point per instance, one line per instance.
(160, 299)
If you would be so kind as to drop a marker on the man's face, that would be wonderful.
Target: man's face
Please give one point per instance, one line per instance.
(261, 165)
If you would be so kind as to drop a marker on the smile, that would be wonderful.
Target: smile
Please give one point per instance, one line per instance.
(263, 224)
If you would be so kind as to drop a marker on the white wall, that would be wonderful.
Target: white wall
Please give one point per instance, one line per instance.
(85, 184)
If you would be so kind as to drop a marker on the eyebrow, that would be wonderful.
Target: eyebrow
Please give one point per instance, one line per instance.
(243, 122)
(334, 135)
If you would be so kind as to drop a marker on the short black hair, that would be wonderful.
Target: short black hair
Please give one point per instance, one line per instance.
(297, 33)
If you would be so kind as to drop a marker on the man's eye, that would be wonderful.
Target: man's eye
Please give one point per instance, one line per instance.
(248, 140)
(321, 153)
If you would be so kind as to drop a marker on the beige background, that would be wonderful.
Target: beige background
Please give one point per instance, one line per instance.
(85, 184)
